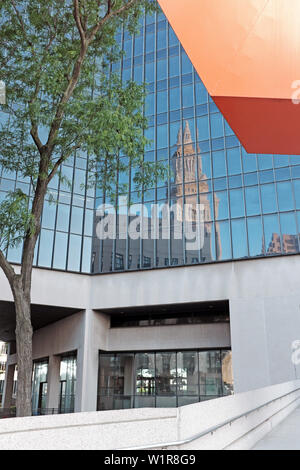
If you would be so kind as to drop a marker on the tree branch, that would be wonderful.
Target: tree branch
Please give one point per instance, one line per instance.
(21, 22)
(36, 212)
(7, 268)
(35, 137)
(60, 161)
(110, 14)
(77, 17)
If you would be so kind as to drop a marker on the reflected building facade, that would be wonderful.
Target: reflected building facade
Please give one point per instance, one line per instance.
(289, 244)
(186, 191)
(191, 187)
(247, 197)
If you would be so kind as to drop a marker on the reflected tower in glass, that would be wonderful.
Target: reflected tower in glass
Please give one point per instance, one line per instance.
(251, 202)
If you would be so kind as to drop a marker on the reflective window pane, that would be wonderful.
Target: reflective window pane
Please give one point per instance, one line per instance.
(210, 374)
(217, 129)
(63, 215)
(219, 164)
(144, 380)
(166, 374)
(285, 196)
(68, 367)
(45, 248)
(60, 250)
(74, 253)
(252, 200)
(272, 241)
(223, 240)
(227, 373)
(237, 205)
(255, 236)
(162, 379)
(290, 241)
(234, 161)
(39, 387)
(268, 198)
(187, 373)
(239, 238)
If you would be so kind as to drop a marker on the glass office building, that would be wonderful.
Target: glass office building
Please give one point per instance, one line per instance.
(251, 207)
(252, 202)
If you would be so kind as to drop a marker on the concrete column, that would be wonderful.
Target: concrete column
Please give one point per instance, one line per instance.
(95, 338)
(53, 382)
(87, 380)
(250, 358)
(8, 386)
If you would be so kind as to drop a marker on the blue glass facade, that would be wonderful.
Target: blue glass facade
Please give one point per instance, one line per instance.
(65, 241)
(252, 202)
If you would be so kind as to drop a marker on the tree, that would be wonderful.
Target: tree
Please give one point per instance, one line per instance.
(54, 57)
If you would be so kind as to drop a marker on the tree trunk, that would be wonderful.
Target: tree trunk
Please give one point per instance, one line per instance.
(24, 349)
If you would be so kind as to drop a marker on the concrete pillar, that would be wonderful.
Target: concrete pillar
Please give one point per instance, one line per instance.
(95, 338)
(8, 386)
(87, 380)
(53, 382)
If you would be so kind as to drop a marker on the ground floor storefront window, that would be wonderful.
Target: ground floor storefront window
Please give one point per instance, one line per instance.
(68, 366)
(67, 384)
(163, 378)
(39, 386)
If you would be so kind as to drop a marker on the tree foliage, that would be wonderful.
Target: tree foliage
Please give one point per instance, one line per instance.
(61, 99)
(54, 60)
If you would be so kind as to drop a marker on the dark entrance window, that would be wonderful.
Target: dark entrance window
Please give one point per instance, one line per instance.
(68, 367)
(39, 387)
(163, 378)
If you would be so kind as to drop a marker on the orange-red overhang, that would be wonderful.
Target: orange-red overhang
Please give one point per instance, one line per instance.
(247, 52)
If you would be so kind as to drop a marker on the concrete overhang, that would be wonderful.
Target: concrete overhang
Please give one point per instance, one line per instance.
(212, 307)
(248, 56)
(42, 315)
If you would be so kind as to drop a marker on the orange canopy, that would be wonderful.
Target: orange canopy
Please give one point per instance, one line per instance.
(247, 52)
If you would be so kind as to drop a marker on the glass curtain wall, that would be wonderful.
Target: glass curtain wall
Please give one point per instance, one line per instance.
(163, 379)
(68, 368)
(39, 387)
(251, 202)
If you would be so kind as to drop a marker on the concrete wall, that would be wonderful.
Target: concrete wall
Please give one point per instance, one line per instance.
(159, 428)
(54, 288)
(170, 337)
(264, 296)
(88, 332)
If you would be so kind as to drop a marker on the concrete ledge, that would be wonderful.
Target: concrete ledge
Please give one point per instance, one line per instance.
(94, 430)
(141, 428)
(271, 405)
